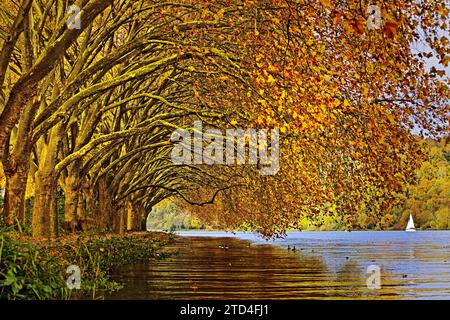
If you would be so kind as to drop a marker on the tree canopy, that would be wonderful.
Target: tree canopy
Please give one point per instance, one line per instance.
(89, 112)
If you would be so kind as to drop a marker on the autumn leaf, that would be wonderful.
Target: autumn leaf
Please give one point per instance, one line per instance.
(271, 79)
(359, 25)
(390, 29)
(337, 19)
(326, 3)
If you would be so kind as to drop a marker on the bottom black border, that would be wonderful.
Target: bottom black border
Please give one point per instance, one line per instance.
(275, 309)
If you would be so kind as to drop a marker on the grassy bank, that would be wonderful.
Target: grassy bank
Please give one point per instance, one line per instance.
(31, 269)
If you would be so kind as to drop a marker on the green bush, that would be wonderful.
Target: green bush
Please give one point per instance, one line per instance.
(39, 272)
(97, 257)
(28, 273)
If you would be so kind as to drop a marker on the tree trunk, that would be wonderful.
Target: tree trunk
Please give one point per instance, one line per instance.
(71, 192)
(45, 211)
(119, 221)
(45, 217)
(91, 210)
(16, 169)
(143, 219)
(81, 212)
(123, 220)
(131, 217)
(16, 185)
(104, 219)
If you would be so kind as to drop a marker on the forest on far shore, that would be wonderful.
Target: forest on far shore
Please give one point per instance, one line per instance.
(428, 201)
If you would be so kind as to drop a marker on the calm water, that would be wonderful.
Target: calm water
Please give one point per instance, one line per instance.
(326, 265)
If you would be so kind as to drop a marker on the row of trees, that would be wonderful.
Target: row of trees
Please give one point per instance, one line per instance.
(91, 111)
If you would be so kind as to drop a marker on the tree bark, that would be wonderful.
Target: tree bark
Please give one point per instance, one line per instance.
(71, 192)
(16, 185)
(45, 211)
(16, 164)
(104, 219)
(119, 220)
(45, 217)
(82, 212)
(142, 219)
(91, 209)
(133, 217)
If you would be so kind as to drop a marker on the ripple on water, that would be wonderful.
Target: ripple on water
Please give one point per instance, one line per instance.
(326, 266)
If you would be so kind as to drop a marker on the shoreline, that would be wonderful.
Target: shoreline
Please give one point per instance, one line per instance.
(73, 266)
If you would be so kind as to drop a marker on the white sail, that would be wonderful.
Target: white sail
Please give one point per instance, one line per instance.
(410, 226)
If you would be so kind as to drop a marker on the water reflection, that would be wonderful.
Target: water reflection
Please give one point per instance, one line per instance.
(202, 270)
(318, 269)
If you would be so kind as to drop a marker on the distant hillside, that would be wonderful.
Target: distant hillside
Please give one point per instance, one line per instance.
(167, 216)
(429, 199)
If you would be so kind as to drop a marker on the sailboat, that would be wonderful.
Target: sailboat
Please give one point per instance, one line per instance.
(410, 227)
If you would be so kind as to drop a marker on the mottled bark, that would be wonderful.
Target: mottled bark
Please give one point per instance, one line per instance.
(130, 216)
(91, 210)
(45, 218)
(134, 217)
(45, 211)
(104, 219)
(16, 184)
(71, 187)
(16, 168)
(119, 220)
(81, 217)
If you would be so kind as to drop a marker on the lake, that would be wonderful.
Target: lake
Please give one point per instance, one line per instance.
(325, 265)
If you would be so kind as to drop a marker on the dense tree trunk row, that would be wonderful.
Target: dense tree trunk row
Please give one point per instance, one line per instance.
(94, 109)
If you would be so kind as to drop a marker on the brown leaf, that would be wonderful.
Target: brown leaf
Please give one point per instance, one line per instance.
(390, 29)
